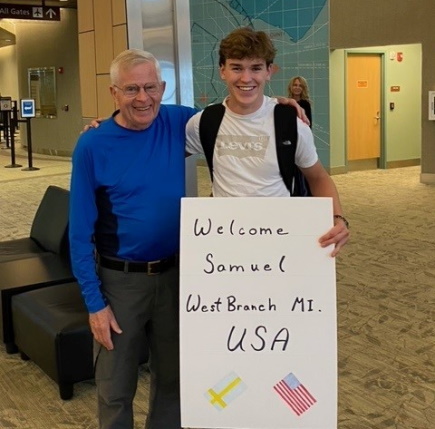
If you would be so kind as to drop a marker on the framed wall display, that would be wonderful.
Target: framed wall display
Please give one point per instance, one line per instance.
(42, 89)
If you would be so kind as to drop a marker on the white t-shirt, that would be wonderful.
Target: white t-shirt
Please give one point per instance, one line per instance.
(245, 162)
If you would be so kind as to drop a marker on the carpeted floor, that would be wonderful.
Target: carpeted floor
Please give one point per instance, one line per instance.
(386, 307)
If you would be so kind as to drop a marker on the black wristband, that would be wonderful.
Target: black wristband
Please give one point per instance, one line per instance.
(343, 219)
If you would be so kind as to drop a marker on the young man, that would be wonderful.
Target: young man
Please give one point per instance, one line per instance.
(126, 185)
(245, 161)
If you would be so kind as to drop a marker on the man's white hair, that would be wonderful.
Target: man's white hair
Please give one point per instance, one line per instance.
(130, 58)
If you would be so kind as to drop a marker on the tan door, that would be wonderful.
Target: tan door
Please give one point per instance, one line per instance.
(363, 107)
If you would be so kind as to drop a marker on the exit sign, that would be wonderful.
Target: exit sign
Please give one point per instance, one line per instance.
(36, 13)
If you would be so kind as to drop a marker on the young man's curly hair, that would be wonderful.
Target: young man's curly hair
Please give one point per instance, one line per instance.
(246, 43)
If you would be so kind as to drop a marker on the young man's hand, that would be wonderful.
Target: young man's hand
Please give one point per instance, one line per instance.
(95, 123)
(338, 235)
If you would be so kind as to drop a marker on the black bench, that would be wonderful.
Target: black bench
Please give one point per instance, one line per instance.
(18, 276)
(51, 327)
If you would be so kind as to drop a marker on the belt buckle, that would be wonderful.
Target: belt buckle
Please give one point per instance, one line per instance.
(149, 268)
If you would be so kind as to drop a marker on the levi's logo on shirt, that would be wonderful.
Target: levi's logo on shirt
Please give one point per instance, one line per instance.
(242, 146)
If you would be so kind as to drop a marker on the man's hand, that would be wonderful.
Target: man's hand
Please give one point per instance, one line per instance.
(102, 323)
(292, 102)
(337, 235)
(95, 123)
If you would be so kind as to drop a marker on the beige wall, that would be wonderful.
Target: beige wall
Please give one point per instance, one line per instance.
(51, 44)
(102, 36)
(356, 23)
(8, 72)
(8, 65)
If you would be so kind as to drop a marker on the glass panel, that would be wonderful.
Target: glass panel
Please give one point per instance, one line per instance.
(42, 88)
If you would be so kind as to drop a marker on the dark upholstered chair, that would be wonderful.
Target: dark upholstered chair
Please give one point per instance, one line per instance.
(51, 328)
(23, 275)
(49, 232)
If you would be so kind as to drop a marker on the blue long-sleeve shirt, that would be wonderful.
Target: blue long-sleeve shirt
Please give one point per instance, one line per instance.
(126, 187)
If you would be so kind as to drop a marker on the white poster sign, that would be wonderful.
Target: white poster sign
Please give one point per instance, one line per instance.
(258, 314)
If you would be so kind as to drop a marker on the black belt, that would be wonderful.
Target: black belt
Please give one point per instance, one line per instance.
(150, 268)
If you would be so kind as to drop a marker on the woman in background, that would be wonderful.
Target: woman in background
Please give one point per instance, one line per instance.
(298, 90)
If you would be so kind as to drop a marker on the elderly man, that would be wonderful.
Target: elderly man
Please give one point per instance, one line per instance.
(127, 182)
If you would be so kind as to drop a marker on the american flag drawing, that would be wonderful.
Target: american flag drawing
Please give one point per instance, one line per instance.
(294, 394)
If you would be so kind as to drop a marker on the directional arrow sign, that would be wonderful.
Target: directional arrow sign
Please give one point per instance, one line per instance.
(28, 108)
(36, 13)
(51, 13)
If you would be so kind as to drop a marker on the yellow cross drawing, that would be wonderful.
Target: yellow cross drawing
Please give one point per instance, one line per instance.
(218, 397)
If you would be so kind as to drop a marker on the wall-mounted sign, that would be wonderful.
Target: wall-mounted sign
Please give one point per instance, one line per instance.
(431, 105)
(42, 88)
(28, 108)
(395, 88)
(5, 104)
(362, 84)
(40, 13)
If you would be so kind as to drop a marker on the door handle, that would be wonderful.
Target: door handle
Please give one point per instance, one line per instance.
(377, 117)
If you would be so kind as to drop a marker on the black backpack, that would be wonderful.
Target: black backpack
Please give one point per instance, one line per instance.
(286, 134)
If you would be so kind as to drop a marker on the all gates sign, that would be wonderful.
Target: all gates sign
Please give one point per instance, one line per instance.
(40, 13)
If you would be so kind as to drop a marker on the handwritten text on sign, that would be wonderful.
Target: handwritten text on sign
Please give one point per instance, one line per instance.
(258, 315)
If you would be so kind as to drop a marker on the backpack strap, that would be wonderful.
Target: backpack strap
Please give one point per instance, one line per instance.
(286, 136)
(209, 124)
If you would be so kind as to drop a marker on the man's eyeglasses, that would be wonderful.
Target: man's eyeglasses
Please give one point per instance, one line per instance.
(133, 90)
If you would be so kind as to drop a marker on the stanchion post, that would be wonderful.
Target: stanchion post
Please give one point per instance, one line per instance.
(29, 148)
(5, 108)
(13, 164)
(8, 129)
(28, 112)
